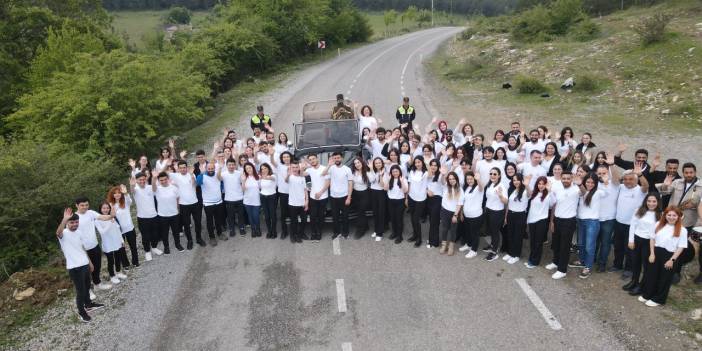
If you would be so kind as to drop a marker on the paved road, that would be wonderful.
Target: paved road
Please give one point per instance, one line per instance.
(259, 294)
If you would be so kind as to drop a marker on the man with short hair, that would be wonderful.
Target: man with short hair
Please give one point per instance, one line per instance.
(532, 170)
(631, 196)
(187, 203)
(608, 211)
(212, 201)
(167, 209)
(376, 144)
(640, 158)
(147, 217)
(563, 221)
(233, 196)
(658, 177)
(405, 115)
(340, 189)
(261, 120)
(319, 192)
(534, 143)
(86, 228)
(515, 131)
(484, 166)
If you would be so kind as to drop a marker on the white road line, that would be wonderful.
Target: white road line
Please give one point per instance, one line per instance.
(336, 246)
(341, 295)
(536, 301)
(404, 68)
(346, 346)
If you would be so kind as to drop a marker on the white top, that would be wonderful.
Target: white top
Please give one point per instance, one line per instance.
(358, 183)
(86, 228)
(493, 201)
(279, 148)
(232, 185)
(261, 158)
(374, 181)
(124, 215)
(282, 171)
(566, 201)
(644, 227)
(73, 249)
(161, 165)
(592, 211)
(418, 183)
(665, 239)
(627, 203)
(367, 122)
(318, 181)
(340, 177)
(546, 164)
(268, 185)
(499, 144)
(518, 205)
(538, 209)
(144, 198)
(483, 167)
(608, 203)
(472, 203)
(396, 192)
(535, 172)
(512, 155)
(377, 148)
(297, 188)
(252, 192)
(451, 204)
(436, 187)
(555, 184)
(211, 190)
(110, 234)
(167, 198)
(567, 145)
(529, 147)
(186, 188)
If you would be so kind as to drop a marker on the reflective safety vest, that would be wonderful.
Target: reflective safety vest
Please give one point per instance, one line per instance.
(402, 110)
(257, 120)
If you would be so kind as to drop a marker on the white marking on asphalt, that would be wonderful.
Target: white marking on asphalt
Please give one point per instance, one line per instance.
(336, 246)
(536, 301)
(346, 346)
(404, 68)
(341, 295)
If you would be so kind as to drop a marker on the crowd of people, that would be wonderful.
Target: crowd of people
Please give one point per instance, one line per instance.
(478, 194)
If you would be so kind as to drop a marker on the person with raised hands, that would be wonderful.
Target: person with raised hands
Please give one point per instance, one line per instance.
(588, 221)
(396, 188)
(251, 184)
(112, 244)
(608, 209)
(147, 216)
(188, 205)
(516, 217)
(563, 222)
(631, 194)
(167, 198)
(118, 197)
(233, 197)
(496, 199)
(86, 228)
(451, 203)
(318, 194)
(215, 216)
(298, 202)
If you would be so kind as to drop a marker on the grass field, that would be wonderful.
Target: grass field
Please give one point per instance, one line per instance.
(376, 21)
(137, 24)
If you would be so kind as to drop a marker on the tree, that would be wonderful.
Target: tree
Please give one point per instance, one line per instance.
(410, 14)
(389, 17)
(178, 15)
(423, 17)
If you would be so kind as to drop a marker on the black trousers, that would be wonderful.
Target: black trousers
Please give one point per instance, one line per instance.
(434, 206)
(95, 256)
(562, 237)
(235, 215)
(166, 223)
(215, 218)
(622, 256)
(378, 200)
(115, 261)
(687, 256)
(537, 236)
(397, 210)
(658, 278)
(416, 209)
(80, 276)
(317, 208)
(297, 222)
(516, 225)
(148, 227)
(187, 212)
(495, 221)
(268, 205)
(130, 238)
(639, 257)
(447, 229)
(340, 215)
(471, 231)
(360, 202)
(284, 214)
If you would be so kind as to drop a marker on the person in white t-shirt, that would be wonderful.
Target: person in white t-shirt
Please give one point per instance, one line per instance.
(632, 191)
(361, 195)
(534, 143)
(112, 244)
(563, 221)
(86, 228)
(472, 215)
(540, 203)
(215, 214)
(340, 190)
(516, 217)
(188, 205)
(233, 197)
(376, 142)
(451, 204)
(608, 212)
(318, 194)
(77, 262)
(532, 170)
(268, 182)
(298, 201)
(147, 217)
(589, 221)
(252, 197)
(378, 197)
(366, 119)
(418, 181)
(641, 230)
(496, 199)
(167, 199)
(485, 165)
(119, 199)
(396, 188)
(280, 168)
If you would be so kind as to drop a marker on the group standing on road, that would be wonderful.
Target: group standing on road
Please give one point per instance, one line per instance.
(476, 193)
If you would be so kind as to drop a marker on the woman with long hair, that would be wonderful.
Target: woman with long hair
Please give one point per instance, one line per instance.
(417, 197)
(396, 187)
(496, 199)
(252, 199)
(499, 140)
(435, 190)
(668, 242)
(512, 150)
(282, 144)
(451, 203)
(588, 218)
(566, 143)
(550, 158)
(641, 230)
(366, 119)
(472, 214)
(119, 199)
(360, 197)
(515, 218)
(165, 158)
(112, 244)
(405, 154)
(269, 197)
(540, 202)
(142, 166)
(378, 197)
(574, 162)
(281, 169)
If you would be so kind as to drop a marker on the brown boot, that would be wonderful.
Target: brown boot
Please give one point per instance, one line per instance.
(451, 248)
(442, 250)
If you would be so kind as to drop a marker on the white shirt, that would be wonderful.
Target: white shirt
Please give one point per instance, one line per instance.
(144, 198)
(261, 158)
(592, 211)
(377, 148)
(161, 165)
(396, 192)
(268, 185)
(435, 186)
(110, 234)
(535, 172)
(252, 191)
(340, 177)
(318, 181)
(374, 181)
(279, 148)
(124, 215)
(282, 172)
(608, 203)
(483, 168)
(566, 201)
(167, 198)
(566, 147)
(493, 201)
(451, 204)
(211, 190)
(627, 203)
(418, 184)
(538, 209)
(86, 228)
(499, 144)
(665, 239)
(644, 227)
(367, 122)
(73, 249)
(520, 205)
(358, 183)
(512, 155)
(472, 202)
(529, 147)
(232, 185)
(186, 188)
(298, 186)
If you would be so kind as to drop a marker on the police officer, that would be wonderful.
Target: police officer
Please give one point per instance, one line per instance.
(405, 115)
(260, 120)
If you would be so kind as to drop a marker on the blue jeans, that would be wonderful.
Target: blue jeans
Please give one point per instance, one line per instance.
(605, 240)
(587, 240)
(253, 213)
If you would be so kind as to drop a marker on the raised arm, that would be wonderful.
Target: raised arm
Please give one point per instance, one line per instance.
(67, 213)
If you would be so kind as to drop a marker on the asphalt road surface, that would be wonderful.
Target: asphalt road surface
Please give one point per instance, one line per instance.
(260, 294)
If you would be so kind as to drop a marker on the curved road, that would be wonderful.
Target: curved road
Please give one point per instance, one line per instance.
(263, 294)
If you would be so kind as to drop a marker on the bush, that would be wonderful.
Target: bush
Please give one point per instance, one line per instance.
(543, 23)
(532, 25)
(178, 15)
(530, 85)
(589, 83)
(652, 29)
(585, 30)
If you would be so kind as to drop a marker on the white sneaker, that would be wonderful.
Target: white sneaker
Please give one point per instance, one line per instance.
(651, 303)
(513, 260)
(92, 295)
(374, 235)
(551, 266)
(506, 257)
(114, 280)
(471, 254)
(558, 275)
(465, 247)
(121, 275)
(104, 286)
(378, 238)
(529, 265)
(157, 251)
(642, 299)
(147, 256)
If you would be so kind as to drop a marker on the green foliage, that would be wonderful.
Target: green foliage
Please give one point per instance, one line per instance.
(584, 30)
(410, 14)
(178, 15)
(389, 17)
(589, 82)
(39, 180)
(558, 18)
(530, 85)
(652, 29)
(423, 17)
(532, 25)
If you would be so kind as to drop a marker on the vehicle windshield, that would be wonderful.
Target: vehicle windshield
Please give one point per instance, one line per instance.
(327, 134)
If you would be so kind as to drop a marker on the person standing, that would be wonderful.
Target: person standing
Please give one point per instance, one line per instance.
(451, 203)
(378, 197)
(212, 201)
(516, 217)
(496, 199)
(233, 197)
(417, 197)
(641, 230)
(631, 195)
(298, 201)
(188, 206)
(532, 170)
(261, 120)
(119, 199)
(435, 190)
(269, 197)
(540, 203)
(281, 169)
(608, 210)
(167, 199)
(405, 115)
(589, 221)
(86, 228)
(147, 216)
(77, 262)
(360, 195)
(252, 199)
(563, 222)
(396, 188)
(319, 193)
(112, 244)
(472, 216)
(340, 190)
